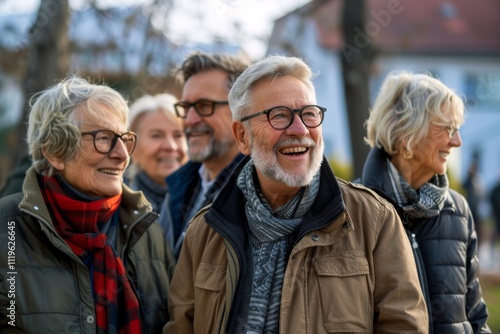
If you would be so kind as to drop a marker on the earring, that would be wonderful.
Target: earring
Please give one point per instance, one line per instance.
(407, 154)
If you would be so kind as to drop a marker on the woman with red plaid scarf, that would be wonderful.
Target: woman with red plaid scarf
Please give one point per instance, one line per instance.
(80, 252)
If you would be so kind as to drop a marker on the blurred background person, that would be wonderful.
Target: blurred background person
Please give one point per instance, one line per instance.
(206, 80)
(161, 146)
(15, 179)
(494, 198)
(89, 253)
(412, 128)
(474, 195)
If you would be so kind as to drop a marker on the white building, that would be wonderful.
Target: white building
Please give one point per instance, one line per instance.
(457, 41)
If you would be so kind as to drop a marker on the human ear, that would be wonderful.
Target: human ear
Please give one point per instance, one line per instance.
(56, 162)
(239, 134)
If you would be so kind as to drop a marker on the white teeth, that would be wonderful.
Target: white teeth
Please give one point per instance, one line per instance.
(110, 171)
(444, 154)
(294, 150)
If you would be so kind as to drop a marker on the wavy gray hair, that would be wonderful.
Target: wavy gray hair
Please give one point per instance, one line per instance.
(55, 116)
(405, 107)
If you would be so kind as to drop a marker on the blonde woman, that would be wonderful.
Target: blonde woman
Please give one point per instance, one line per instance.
(412, 129)
(161, 146)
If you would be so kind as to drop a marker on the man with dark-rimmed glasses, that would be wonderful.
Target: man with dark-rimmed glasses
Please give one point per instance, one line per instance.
(286, 247)
(203, 106)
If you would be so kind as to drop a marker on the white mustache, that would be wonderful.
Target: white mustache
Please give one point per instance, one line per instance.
(296, 141)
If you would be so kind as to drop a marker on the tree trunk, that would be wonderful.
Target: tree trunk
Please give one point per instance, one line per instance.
(48, 58)
(356, 62)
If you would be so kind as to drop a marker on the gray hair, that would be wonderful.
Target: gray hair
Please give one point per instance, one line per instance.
(55, 116)
(240, 96)
(198, 62)
(405, 106)
(147, 103)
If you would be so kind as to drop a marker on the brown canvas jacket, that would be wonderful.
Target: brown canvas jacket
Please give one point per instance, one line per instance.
(354, 275)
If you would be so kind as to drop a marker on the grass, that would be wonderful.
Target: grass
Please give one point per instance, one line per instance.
(491, 293)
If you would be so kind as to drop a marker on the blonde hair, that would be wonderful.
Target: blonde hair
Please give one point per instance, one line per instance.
(55, 116)
(405, 107)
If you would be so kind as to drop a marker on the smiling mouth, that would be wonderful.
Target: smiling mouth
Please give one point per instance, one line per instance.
(167, 160)
(111, 171)
(197, 134)
(198, 131)
(294, 150)
(444, 154)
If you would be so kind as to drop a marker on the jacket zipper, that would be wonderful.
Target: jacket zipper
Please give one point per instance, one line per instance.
(422, 276)
(129, 233)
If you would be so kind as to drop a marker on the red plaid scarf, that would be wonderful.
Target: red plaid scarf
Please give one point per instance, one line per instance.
(117, 307)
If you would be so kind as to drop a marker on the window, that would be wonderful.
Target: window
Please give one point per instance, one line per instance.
(482, 90)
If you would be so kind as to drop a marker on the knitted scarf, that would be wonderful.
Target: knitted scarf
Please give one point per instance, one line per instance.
(154, 192)
(270, 242)
(427, 202)
(117, 307)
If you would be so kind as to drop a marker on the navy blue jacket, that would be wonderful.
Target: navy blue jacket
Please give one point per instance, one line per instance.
(445, 250)
(184, 186)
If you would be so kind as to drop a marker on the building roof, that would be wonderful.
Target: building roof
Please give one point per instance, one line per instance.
(406, 26)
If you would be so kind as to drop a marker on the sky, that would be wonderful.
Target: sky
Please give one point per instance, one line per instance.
(198, 20)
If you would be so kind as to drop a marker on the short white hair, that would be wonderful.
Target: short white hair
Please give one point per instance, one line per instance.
(147, 103)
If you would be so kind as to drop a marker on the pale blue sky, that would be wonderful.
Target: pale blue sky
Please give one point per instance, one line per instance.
(255, 16)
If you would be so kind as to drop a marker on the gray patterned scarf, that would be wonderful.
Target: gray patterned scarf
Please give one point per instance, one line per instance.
(270, 242)
(427, 202)
(154, 192)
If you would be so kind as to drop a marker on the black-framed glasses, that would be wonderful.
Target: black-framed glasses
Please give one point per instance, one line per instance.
(203, 107)
(282, 117)
(105, 140)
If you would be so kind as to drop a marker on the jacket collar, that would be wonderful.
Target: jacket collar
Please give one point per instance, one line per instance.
(375, 176)
(135, 210)
(231, 223)
(178, 178)
(375, 173)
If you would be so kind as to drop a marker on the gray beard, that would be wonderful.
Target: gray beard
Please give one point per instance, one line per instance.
(213, 149)
(268, 165)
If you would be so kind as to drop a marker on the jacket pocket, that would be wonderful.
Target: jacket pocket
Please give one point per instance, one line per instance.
(210, 277)
(342, 296)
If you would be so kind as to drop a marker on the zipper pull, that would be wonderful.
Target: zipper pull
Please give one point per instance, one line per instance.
(414, 242)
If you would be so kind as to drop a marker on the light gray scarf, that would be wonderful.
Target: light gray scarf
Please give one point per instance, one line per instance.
(427, 202)
(270, 242)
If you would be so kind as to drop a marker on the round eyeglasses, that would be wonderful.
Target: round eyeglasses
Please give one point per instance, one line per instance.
(282, 117)
(105, 140)
(202, 107)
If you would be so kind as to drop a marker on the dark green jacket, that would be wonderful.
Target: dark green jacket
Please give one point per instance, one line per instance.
(46, 288)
